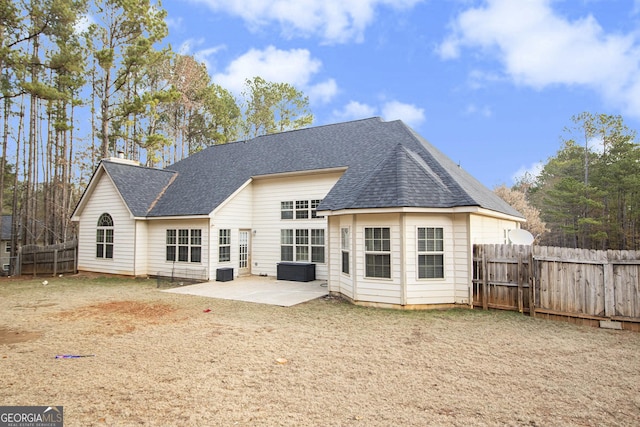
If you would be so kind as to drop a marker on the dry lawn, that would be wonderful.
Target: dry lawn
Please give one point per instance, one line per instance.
(161, 360)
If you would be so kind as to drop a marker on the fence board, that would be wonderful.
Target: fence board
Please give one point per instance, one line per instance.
(48, 260)
(558, 282)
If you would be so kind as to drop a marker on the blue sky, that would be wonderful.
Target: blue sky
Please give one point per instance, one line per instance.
(491, 83)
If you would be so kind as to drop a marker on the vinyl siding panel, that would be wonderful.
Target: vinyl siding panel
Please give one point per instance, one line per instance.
(488, 230)
(105, 199)
(236, 214)
(267, 223)
(368, 289)
(430, 291)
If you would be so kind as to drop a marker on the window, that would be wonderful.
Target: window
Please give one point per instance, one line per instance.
(317, 245)
(196, 245)
(171, 245)
(300, 209)
(286, 210)
(286, 245)
(377, 246)
(345, 246)
(430, 253)
(104, 237)
(184, 245)
(6, 267)
(224, 248)
(302, 245)
(314, 206)
(7, 247)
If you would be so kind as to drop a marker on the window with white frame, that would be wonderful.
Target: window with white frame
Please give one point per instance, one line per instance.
(104, 237)
(377, 249)
(317, 245)
(286, 210)
(299, 209)
(302, 209)
(302, 245)
(345, 245)
(286, 245)
(314, 207)
(224, 245)
(184, 245)
(430, 253)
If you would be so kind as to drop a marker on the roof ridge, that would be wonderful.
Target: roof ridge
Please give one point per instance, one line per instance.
(153, 204)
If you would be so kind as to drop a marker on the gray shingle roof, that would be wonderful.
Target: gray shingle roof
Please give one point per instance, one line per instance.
(140, 187)
(387, 165)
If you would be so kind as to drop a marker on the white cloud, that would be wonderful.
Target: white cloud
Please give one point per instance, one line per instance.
(83, 23)
(483, 110)
(532, 171)
(408, 113)
(539, 47)
(322, 93)
(354, 110)
(190, 47)
(295, 67)
(392, 110)
(335, 21)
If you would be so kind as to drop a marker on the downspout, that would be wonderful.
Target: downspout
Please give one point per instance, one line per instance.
(135, 248)
(403, 259)
(209, 265)
(353, 256)
(469, 261)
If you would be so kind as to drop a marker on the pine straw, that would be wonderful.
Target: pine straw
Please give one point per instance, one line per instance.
(161, 360)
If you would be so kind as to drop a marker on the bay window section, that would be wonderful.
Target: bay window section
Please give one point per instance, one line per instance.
(430, 253)
(377, 246)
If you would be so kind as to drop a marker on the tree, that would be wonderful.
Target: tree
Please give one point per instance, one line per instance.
(588, 195)
(122, 42)
(273, 107)
(517, 199)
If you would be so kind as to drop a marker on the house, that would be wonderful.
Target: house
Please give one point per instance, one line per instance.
(5, 243)
(382, 215)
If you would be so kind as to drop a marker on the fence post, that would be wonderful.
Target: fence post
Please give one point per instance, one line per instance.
(55, 262)
(520, 293)
(609, 297)
(485, 290)
(532, 285)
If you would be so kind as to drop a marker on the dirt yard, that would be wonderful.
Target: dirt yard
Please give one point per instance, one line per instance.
(160, 359)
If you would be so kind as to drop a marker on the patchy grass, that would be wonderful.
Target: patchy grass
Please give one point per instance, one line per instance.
(169, 359)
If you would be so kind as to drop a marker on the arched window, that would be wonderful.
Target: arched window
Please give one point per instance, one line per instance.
(104, 237)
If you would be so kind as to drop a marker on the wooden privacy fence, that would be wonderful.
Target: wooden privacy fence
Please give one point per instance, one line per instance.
(578, 285)
(48, 260)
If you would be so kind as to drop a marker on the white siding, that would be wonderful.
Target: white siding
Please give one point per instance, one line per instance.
(488, 230)
(267, 195)
(404, 287)
(256, 207)
(105, 199)
(236, 214)
(387, 291)
(157, 247)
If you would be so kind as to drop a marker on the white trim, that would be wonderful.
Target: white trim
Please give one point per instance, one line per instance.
(459, 209)
(228, 199)
(304, 172)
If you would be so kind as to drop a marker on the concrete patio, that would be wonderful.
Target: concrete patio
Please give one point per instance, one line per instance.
(257, 289)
